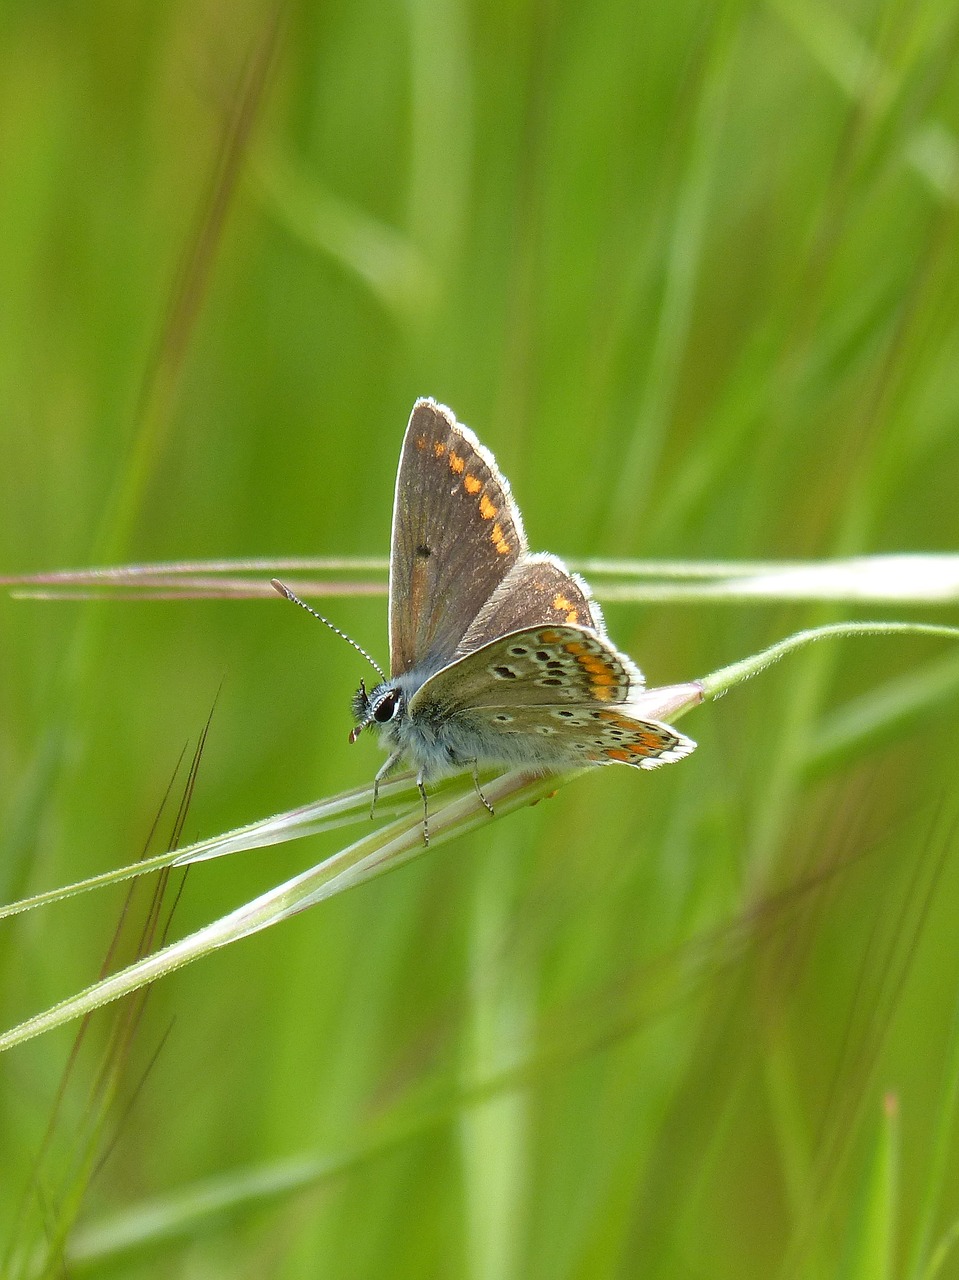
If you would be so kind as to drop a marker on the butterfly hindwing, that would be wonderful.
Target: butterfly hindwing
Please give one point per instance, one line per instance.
(575, 735)
(456, 535)
(542, 666)
(538, 589)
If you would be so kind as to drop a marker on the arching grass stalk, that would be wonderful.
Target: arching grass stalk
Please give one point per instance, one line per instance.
(454, 809)
(726, 678)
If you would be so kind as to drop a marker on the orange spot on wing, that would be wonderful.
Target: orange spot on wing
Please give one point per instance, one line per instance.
(471, 484)
(575, 648)
(614, 718)
(601, 692)
(439, 448)
(644, 744)
(565, 606)
(605, 681)
(616, 753)
(456, 463)
(498, 541)
(420, 442)
(487, 509)
(549, 637)
(590, 663)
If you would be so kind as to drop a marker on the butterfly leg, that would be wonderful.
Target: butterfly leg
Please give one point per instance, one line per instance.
(426, 810)
(479, 789)
(381, 774)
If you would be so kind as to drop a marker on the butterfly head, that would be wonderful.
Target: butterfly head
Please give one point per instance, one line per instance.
(377, 707)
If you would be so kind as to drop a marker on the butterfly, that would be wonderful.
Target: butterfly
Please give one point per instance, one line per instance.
(498, 656)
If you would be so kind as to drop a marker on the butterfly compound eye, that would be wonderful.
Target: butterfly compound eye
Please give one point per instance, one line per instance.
(387, 707)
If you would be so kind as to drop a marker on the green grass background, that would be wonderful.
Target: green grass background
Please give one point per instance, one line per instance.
(692, 272)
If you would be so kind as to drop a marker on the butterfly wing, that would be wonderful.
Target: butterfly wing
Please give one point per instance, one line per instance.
(456, 535)
(553, 696)
(551, 666)
(571, 736)
(538, 590)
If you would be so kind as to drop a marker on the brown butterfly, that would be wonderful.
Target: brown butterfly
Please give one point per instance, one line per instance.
(497, 656)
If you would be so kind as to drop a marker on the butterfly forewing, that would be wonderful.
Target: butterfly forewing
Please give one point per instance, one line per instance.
(538, 590)
(551, 666)
(456, 535)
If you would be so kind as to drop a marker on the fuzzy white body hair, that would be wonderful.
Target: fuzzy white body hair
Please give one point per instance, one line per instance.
(443, 743)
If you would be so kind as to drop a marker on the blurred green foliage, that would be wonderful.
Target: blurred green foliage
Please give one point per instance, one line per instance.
(690, 270)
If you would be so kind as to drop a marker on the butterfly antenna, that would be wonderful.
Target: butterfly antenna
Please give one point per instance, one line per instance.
(285, 591)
